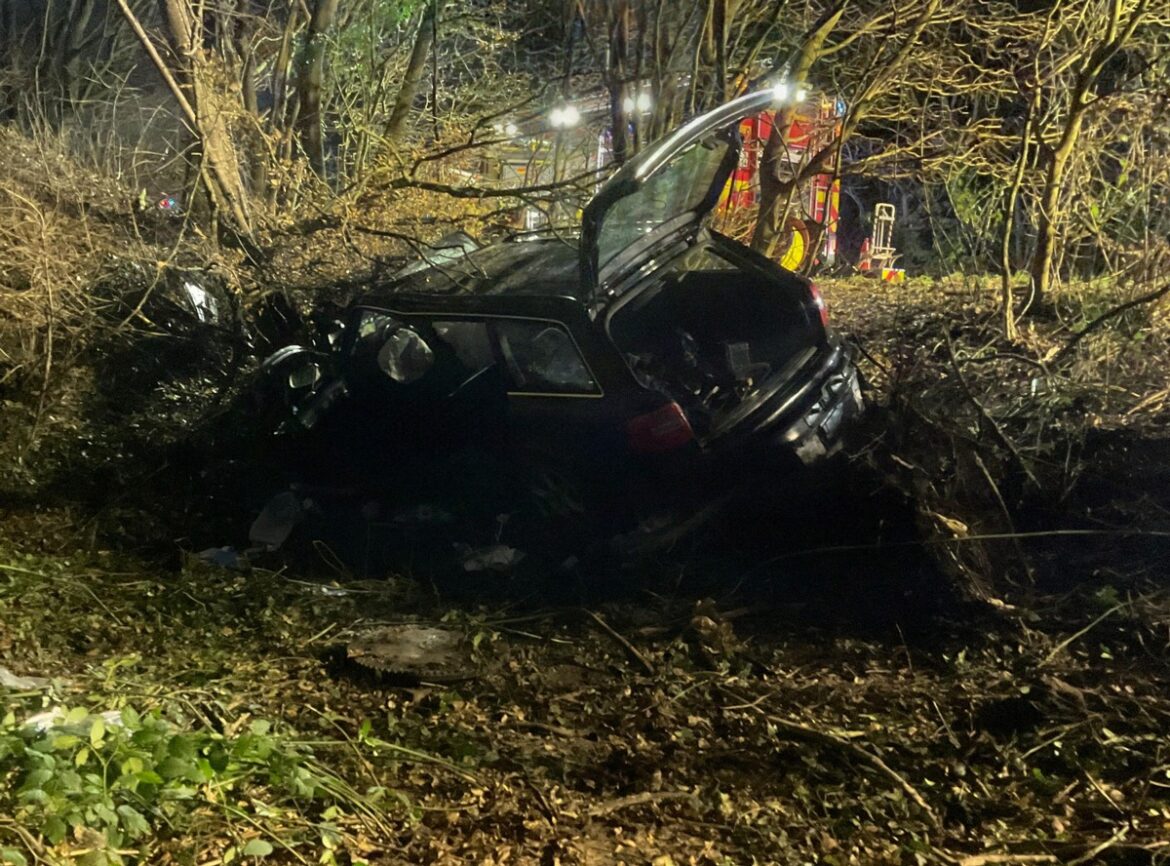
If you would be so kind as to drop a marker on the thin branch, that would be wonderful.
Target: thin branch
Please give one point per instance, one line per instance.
(991, 423)
(1106, 316)
(807, 733)
(629, 647)
(160, 64)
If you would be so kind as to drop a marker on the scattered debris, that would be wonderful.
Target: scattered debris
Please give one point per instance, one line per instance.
(433, 655)
(497, 557)
(9, 680)
(279, 517)
(78, 718)
(224, 557)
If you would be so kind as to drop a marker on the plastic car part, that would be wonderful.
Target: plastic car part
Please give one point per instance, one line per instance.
(664, 429)
(820, 303)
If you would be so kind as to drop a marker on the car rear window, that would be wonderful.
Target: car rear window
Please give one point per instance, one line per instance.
(683, 186)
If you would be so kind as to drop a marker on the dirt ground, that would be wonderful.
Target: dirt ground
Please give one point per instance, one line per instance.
(808, 685)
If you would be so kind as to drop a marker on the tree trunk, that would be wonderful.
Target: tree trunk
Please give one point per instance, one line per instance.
(1058, 156)
(1046, 222)
(775, 193)
(615, 75)
(423, 42)
(204, 97)
(311, 82)
(1007, 299)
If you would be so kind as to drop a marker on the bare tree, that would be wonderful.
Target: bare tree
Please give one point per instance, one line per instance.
(1102, 31)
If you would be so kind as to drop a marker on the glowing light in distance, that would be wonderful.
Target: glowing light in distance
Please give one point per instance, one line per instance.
(564, 117)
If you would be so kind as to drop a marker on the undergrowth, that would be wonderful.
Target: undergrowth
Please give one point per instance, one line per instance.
(156, 730)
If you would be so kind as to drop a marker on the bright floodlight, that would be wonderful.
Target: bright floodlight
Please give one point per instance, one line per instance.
(644, 101)
(780, 91)
(564, 116)
(801, 95)
(628, 105)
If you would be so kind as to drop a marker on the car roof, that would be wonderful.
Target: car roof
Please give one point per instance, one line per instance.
(547, 266)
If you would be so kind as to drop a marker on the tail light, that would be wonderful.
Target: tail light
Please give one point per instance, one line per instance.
(664, 429)
(819, 303)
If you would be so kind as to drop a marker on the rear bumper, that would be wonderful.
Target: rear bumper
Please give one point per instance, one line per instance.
(816, 434)
(806, 417)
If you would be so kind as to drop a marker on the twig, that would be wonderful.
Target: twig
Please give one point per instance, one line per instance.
(642, 799)
(558, 730)
(546, 808)
(984, 536)
(1007, 514)
(159, 64)
(1060, 647)
(989, 859)
(991, 423)
(629, 647)
(825, 738)
(1148, 401)
(1105, 317)
(1097, 849)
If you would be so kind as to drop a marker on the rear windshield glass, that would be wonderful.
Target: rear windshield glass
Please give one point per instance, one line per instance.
(681, 186)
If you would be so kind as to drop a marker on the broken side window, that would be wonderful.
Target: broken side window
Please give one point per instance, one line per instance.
(469, 341)
(542, 357)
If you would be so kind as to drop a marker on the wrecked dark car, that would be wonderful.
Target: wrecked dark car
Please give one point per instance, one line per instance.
(647, 360)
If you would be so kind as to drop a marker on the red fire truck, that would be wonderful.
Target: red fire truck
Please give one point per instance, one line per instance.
(814, 204)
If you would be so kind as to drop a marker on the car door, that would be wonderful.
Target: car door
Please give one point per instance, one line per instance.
(523, 379)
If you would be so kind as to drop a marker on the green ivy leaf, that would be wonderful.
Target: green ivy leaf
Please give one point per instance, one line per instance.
(54, 829)
(97, 733)
(35, 780)
(182, 747)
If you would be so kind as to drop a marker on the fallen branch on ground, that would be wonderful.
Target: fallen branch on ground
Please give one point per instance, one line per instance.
(643, 799)
(1106, 316)
(806, 733)
(629, 647)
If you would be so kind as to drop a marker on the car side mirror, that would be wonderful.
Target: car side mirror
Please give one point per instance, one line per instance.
(405, 356)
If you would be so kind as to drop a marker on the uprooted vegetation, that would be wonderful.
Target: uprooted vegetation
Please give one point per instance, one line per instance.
(1050, 444)
(831, 698)
(100, 369)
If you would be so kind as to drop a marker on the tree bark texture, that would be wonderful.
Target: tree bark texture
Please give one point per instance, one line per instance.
(415, 67)
(775, 193)
(1056, 156)
(200, 84)
(311, 82)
